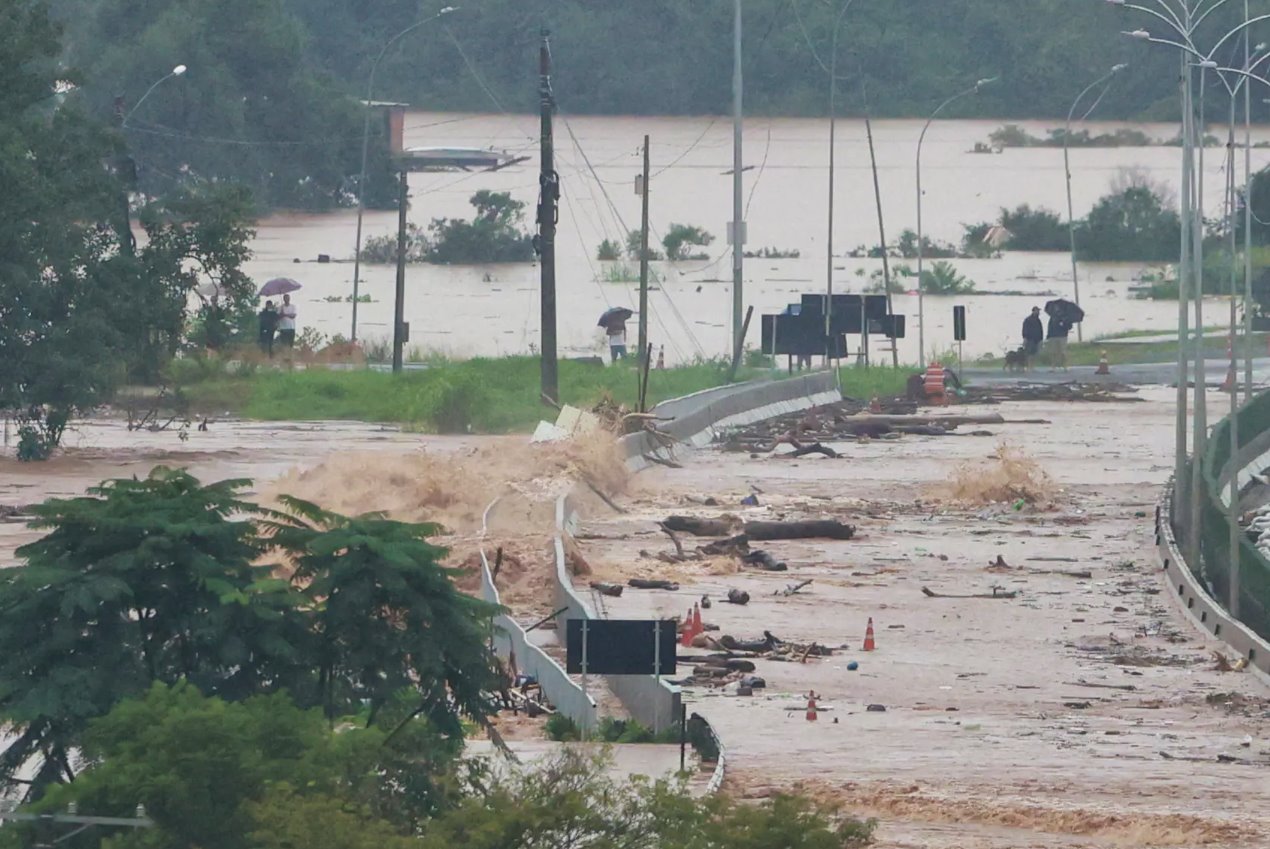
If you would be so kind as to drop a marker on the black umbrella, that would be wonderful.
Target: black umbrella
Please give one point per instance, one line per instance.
(614, 315)
(1065, 310)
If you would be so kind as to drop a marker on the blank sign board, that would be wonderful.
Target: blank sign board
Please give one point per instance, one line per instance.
(622, 646)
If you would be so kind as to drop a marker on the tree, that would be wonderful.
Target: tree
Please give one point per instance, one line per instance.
(634, 240)
(571, 801)
(680, 237)
(1035, 229)
(196, 244)
(387, 618)
(140, 581)
(494, 235)
(249, 109)
(942, 278)
(257, 773)
(1132, 225)
(65, 289)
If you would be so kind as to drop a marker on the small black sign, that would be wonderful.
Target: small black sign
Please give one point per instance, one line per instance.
(621, 646)
(959, 324)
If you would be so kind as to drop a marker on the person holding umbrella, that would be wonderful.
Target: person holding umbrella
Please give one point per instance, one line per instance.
(286, 315)
(286, 323)
(614, 323)
(1063, 316)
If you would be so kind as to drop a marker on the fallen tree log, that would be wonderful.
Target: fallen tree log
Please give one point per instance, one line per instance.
(901, 421)
(997, 592)
(727, 527)
(646, 584)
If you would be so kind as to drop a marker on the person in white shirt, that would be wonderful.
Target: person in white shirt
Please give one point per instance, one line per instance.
(286, 323)
(617, 340)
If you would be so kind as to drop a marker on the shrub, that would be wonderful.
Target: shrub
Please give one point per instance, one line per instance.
(1035, 229)
(608, 251)
(633, 240)
(680, 237)
(942, 278)
(907, 246)
(1132, 225)
(454, 402)
(382, 250)
(494, 235)
(974, 241)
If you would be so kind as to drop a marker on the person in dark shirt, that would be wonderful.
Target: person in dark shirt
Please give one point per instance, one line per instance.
(1057, 341)
(268, 319)
(1033, 336)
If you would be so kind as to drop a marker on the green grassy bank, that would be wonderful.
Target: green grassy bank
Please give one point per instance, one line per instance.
(481, 395)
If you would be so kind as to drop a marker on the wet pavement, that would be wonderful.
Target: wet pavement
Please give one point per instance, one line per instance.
(1082, 712)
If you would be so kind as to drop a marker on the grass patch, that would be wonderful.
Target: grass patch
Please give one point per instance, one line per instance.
(480, 395)
(882, 381)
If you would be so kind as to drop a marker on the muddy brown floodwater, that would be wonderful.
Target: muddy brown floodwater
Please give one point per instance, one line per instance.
(1080, 713)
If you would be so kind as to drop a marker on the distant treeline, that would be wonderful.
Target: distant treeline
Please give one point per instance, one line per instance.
(270, 97)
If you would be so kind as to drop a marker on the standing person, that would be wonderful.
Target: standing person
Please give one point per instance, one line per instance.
(268, 319)
(286, 323)
(1059, 327)
(1033, 336)
(617, 339)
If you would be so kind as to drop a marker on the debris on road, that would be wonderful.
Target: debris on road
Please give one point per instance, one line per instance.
(726, 526)
(997, 592)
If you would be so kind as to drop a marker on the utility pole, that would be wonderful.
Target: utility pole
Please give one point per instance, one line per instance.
(738, 213)
(399, 304)
(833, 129)
(886, 265)
(126, 171)
(643, 262)
(548, 213)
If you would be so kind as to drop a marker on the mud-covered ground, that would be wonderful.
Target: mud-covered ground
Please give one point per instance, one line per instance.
(1083, 712)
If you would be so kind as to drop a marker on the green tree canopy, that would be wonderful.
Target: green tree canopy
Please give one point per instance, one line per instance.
(1133, 224)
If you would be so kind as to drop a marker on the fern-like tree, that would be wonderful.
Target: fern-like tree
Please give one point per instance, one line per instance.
(387, 618)
(139, 581)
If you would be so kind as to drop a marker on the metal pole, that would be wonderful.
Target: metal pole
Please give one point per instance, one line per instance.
(585, 696)
(886, 264)
(921, 284)
(738, 225)
(399, 304)
(548, 197)
(643, 260)
(657, 668)
(830, 348)
(1247, 217)
(1232, 509)
(361, 184)
(1199, 419)
(1067, 169)
(1180, 478)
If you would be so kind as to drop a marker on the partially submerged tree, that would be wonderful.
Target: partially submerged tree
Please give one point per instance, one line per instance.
(494, 235)
(680, 238)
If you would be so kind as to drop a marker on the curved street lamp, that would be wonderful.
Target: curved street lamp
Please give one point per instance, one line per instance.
(1067, 168)
(921, 306)
(361, 183)
(178, 71)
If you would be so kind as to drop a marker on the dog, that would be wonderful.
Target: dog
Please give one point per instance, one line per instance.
(1016, 360)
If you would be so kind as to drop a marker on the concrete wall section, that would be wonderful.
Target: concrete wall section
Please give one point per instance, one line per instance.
(1205, 613)
(567, 696)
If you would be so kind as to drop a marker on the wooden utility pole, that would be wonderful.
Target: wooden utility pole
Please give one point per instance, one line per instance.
(643, 261)
(886, 265)
(548, 212)
(399, 305)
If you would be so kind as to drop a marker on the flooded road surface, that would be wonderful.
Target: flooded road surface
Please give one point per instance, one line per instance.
(468, 311)
(1083, 712)
(102, 448)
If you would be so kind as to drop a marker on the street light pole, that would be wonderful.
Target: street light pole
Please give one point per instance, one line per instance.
(178, 71)
(738, 213)
(361, 182)
(830, 347)
(921, 287)
(1067, 168)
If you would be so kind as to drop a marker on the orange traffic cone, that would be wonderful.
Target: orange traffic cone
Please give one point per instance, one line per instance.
(811, 706)
(869, 644)
(1104, 367)
(875, 406)
(697, 627)
(685, 638)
